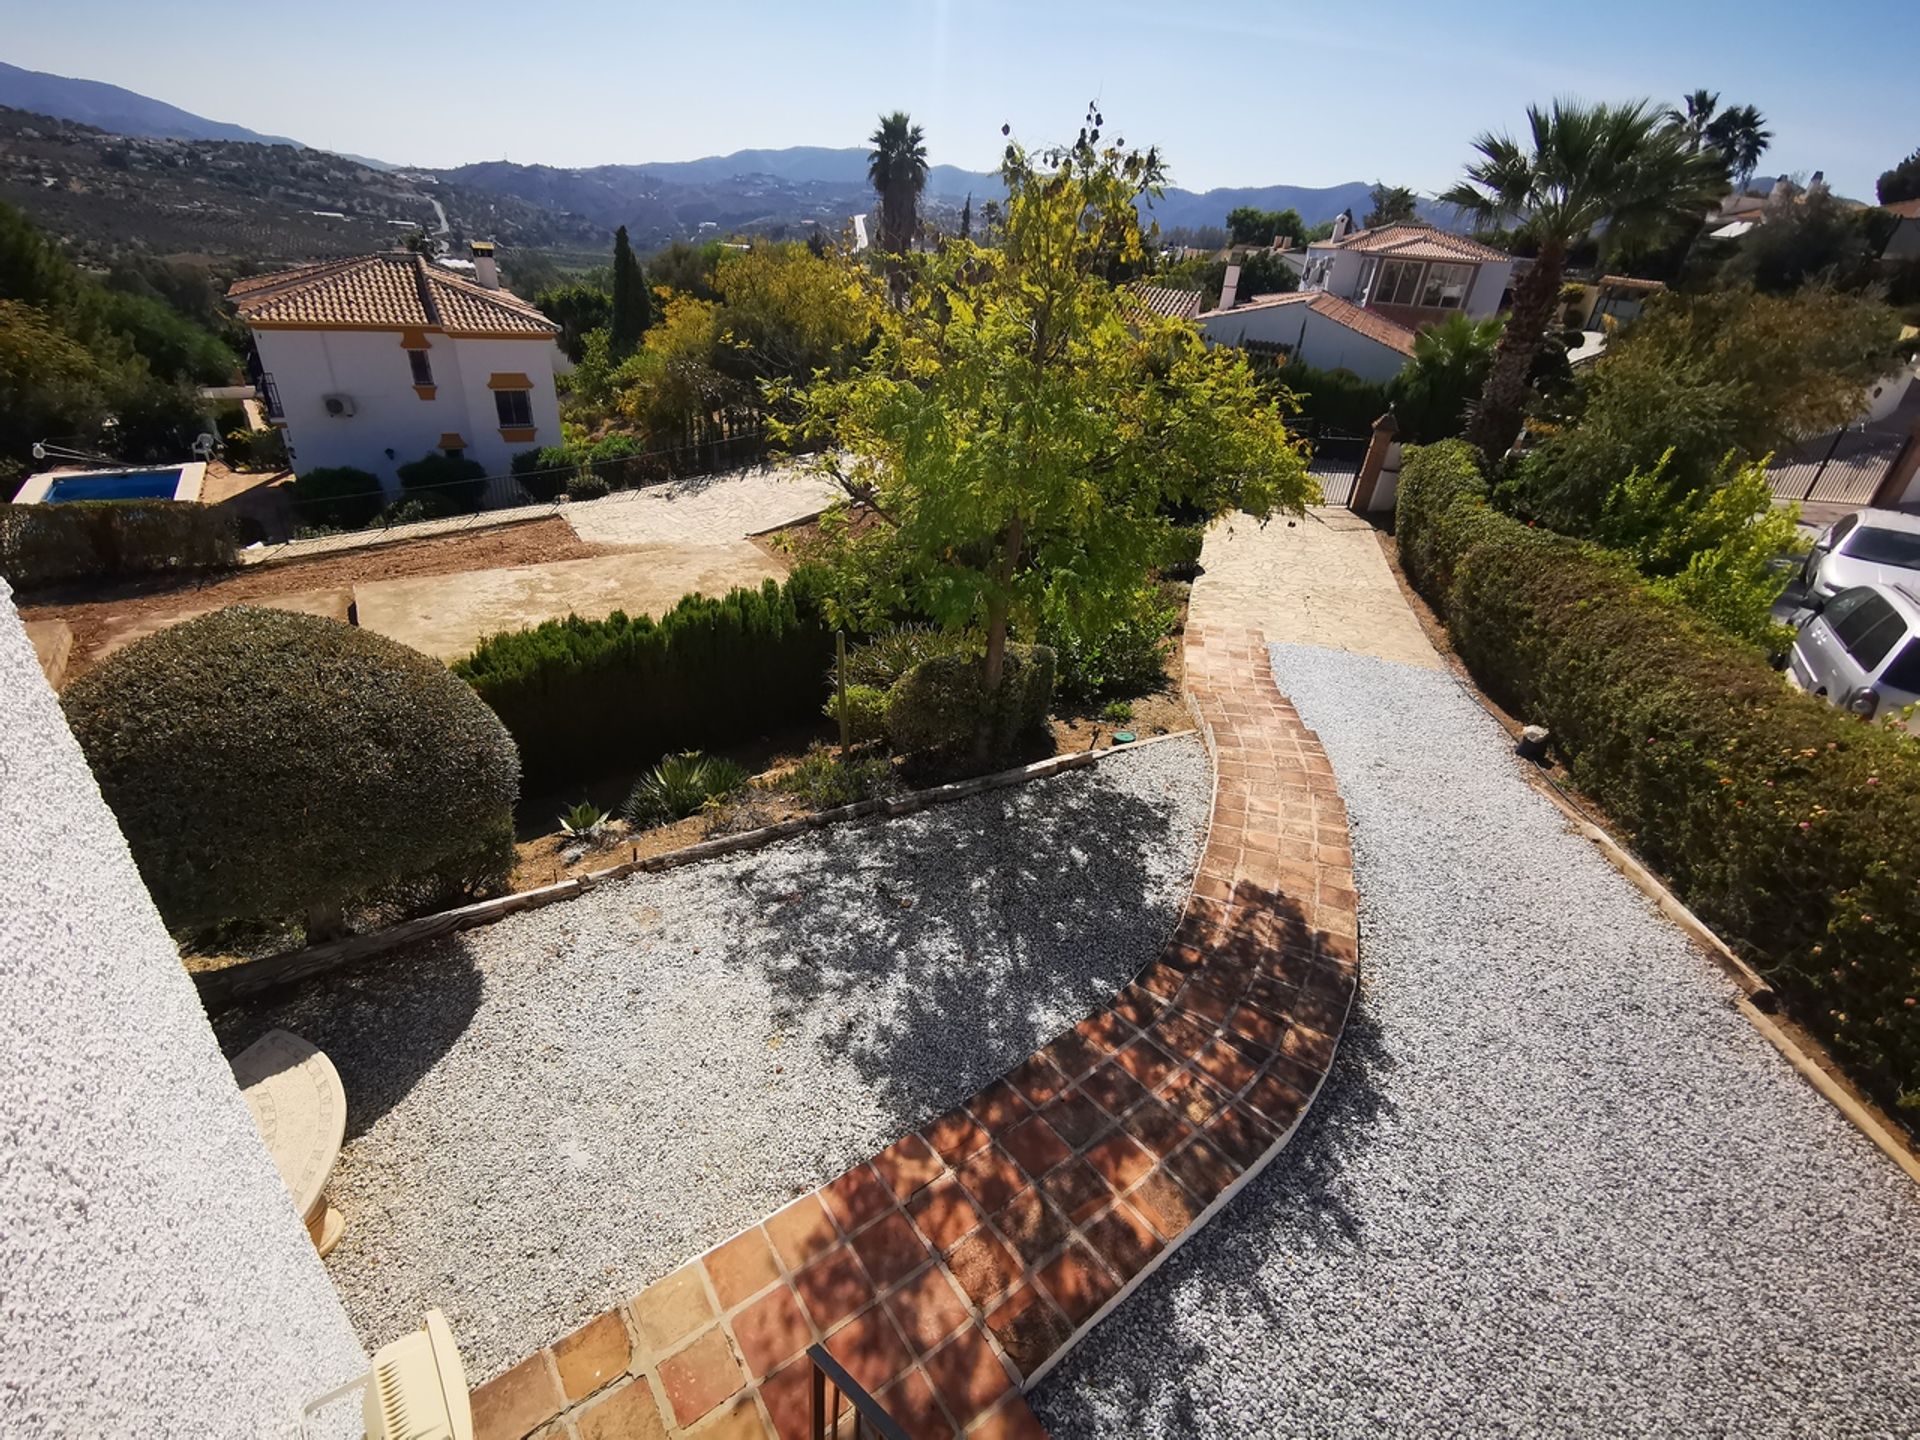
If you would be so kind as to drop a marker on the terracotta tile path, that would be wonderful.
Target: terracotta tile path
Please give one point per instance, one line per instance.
(950, 1271)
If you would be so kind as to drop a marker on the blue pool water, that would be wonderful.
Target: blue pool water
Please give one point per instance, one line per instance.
(116, 485)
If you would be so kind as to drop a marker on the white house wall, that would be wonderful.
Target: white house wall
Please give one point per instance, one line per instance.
(391, 425)
(1311, 336)
(158, 1281)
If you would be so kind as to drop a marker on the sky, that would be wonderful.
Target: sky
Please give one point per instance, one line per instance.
(1245, 94)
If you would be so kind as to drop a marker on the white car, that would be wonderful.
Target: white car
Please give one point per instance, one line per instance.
(1868, 547)
(1861, 650)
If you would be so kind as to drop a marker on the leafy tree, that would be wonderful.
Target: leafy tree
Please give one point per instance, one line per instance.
(1902, 182)
(1249, 225)
(1814, 241)
(1020, 437)
(1701, 378)
(687, 269)
(788, 313)
(674, 381)
(966, 218)
(1615, 168)
(897, 169)
(576, 309)
(1447, 370)
(50, 384)
(632, 308)
(1390, 205)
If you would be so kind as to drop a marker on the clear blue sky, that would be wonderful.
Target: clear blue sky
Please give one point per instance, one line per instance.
(1239, 94)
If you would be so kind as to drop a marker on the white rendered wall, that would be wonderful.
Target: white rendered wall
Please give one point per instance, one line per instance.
(1320, 342)
(371, 368)
(156, 1280)
(1488, 286)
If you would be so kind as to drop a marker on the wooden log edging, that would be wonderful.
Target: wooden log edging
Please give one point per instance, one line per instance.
(252, 977)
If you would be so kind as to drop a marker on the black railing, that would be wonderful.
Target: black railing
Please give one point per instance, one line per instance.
(839, 1401)
(271, 393)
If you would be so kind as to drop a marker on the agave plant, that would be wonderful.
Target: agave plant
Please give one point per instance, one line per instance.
(583, 821)
(681, 785)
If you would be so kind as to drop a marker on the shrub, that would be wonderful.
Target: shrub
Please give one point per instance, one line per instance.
(682, 785)
(588, 485)
(618, 461)
(105, 539)
(263, 764)
(866, 710)
(582, 697)
(1787, 824)
(884, 659)
(822, 779)
(545, 472)
(1181, 558)
(416, 508)
(459, 484)
(938, 704)
(336, 497)
(249, 449)
(1121, 651)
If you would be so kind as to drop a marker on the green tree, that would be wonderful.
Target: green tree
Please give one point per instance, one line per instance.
(576, 309)
(1249, 225)
(632, 309)
(1447, 370)
(1616, 169)
(50, 384)
(1902, 182)
(1390, 204)
(897, 169)
(1020, 436)
(1694, 115)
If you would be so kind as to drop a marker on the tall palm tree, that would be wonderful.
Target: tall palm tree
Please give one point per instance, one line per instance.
(1618, 169)
(1447, 369)
(1741, 137)
(1698, 115)
(897, 168)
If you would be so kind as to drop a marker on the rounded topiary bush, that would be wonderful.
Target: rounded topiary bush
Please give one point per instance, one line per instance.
(938, 703)
(265, 765)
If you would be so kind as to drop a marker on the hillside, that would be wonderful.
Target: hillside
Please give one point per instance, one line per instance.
(108, 107)
(108, 195)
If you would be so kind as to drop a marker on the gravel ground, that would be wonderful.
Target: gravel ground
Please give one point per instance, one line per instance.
(546, 1115)
(1554, 1186)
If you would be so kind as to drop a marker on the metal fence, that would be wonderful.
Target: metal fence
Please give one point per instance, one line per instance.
(1334, 459)
(1844, 467)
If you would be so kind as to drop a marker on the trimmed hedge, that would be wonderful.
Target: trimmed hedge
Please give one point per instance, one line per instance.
(107, 539)
(583, 697)
(1790, 826)
(939, 705)
(263, 764)
(336, 497)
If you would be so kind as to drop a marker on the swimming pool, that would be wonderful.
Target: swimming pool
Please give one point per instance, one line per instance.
(157, 482)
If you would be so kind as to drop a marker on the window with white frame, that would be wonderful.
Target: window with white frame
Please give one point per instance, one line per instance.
(1447, 286)
(1399, 283)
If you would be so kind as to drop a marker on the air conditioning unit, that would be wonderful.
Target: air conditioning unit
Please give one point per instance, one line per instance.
(339, 406)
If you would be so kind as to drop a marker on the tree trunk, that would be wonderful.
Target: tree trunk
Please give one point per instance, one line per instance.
(994, 669)
(1503, 403)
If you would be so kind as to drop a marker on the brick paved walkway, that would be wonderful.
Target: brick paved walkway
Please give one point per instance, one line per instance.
(953, 1269)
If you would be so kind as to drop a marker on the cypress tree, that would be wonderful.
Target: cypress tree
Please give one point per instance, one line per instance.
(632, 306)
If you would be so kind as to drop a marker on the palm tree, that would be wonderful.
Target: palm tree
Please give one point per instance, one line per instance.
(1618, 169)
(897, 169)
(1701, 106)
(1741, 137)
(1448, 367)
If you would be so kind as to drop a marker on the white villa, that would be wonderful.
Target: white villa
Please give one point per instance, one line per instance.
(1363, 296)
(378, 360)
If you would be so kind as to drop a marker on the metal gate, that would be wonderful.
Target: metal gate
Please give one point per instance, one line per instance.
(1334, 460)
(1845, 467)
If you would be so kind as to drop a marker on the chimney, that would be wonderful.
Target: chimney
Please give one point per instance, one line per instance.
(1229, 286)
(1818, 184)
(484, 268)
(1339, 227)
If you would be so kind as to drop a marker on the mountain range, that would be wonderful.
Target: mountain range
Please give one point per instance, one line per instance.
(750, 191)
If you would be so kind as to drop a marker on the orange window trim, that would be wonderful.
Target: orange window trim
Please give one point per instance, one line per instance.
(425, 392)
(518, 434)
(415, 339)
(451, 441)
(499, 381)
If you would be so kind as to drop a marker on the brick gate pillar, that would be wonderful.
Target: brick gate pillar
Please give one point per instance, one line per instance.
(1385, 431)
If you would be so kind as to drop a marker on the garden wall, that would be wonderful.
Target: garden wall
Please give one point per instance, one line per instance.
(1790, 827)
(157, 1279)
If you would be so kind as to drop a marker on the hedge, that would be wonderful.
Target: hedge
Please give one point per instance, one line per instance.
(1790, 826)
(107, 539)
(584, 697)
(263, 764)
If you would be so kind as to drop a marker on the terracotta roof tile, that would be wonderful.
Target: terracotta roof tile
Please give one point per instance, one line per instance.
(1905, 209)
(1417, 242)
(1164, 300)
(399, 290)
(1364, 322)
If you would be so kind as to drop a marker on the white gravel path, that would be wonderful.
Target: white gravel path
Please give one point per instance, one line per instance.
(704, 509)
(546, 1115)
(1555, 1184)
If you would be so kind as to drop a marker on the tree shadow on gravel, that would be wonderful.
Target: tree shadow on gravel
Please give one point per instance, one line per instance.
(1055, 876)
(384, 1023)
(1298, 1204)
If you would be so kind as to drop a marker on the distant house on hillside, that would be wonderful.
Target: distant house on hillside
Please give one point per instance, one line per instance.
(376, 361)
(1363, 295)
(1904, 242)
